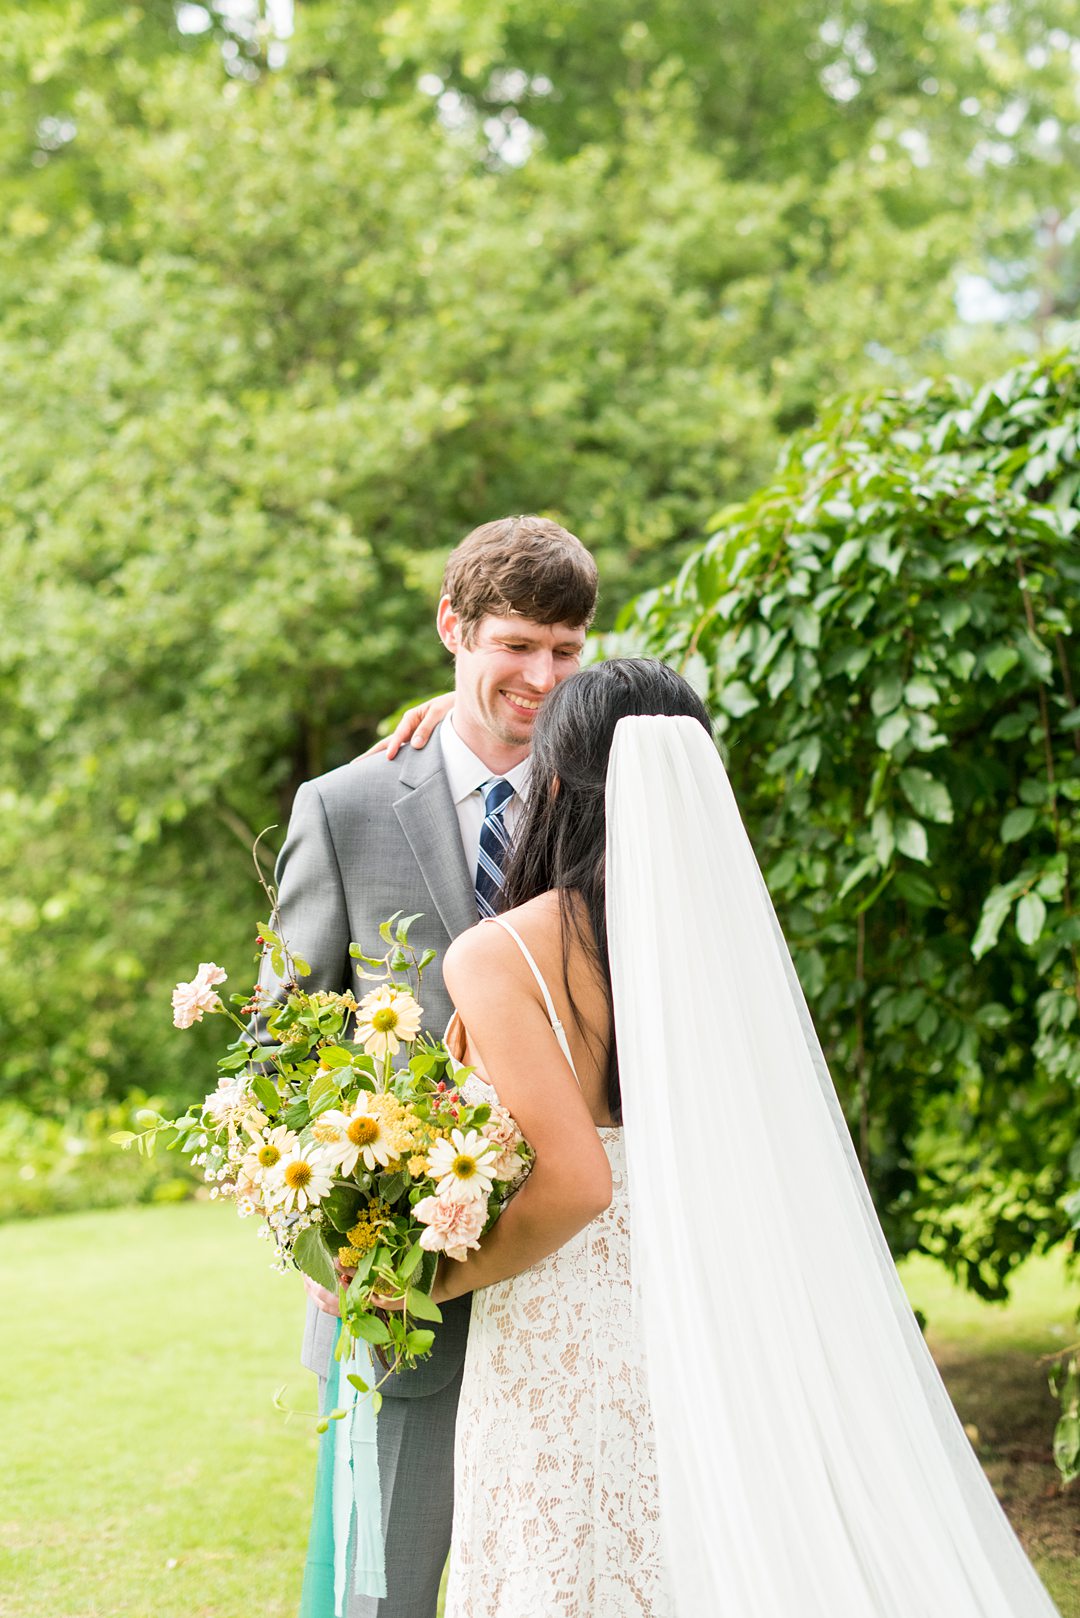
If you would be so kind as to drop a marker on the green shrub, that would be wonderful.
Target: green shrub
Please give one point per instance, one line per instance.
(887, 635)
(68, 1164)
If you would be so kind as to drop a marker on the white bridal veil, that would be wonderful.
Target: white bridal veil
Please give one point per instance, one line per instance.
(811, 1464)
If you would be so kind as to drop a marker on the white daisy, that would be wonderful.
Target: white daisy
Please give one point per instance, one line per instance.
(464, 1165)
(387, 1018)
(300, 1180)
(361, 1136)
(265, 1153)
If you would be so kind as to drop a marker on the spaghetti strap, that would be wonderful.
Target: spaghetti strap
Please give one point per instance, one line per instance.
(553, 1016)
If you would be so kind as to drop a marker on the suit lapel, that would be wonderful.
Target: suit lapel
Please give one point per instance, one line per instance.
(427, 816)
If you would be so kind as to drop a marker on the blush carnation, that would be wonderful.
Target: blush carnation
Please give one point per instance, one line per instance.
(504, 1134)
(452, 1226)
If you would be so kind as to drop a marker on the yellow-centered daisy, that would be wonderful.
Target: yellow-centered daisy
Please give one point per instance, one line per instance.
(300, 1180)
(464, 1165)
(387, 1019)
(363, 1137)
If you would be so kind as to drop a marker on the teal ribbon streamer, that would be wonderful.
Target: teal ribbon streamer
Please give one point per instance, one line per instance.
(347, 1512)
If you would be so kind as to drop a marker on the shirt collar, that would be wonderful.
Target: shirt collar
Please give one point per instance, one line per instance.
(466, 773)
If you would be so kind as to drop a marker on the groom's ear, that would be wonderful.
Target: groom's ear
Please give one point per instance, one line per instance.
(449, 626)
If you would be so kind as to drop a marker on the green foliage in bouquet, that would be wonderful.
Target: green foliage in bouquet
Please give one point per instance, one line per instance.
(349, 1131)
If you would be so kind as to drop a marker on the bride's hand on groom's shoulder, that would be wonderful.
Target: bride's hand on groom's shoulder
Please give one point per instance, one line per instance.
(415, 726)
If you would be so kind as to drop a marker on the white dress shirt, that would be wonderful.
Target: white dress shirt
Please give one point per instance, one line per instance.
(467, 775)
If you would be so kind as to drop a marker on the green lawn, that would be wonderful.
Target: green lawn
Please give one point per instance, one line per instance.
(145, 1474)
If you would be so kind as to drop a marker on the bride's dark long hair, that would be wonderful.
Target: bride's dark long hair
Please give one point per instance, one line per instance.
(559, 843)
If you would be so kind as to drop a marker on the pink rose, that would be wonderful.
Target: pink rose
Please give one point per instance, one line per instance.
(191, 1000)
(452, 1227)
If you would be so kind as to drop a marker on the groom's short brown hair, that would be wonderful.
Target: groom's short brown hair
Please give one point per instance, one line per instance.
(521, 567)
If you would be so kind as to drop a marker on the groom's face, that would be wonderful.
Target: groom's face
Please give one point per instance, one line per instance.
(505, 670)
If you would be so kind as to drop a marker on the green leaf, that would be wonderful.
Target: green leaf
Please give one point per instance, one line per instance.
(323, 1092)
(920, 693)
(845, 555)
(357, 1381)
(359, 1281)
(392, 1186)
(335, 1056)
(806, 627)
(410, 1261)
(265, 1092)
(1017, 824)
(123, 1137)
(781, 674)
(886, 695)
(856, 875)
(737, 699)
(371, 1328)
(916, 890)
(1030, 918)
(419, 1304)
(961, 664)
(892, 730)
(419, 1342)
(882, 836)
(927, 795)
(996, 906)
(403, 927)
(953, 615)
(341, 1205)
(999, 660)
(911, 839)
(312, 1256)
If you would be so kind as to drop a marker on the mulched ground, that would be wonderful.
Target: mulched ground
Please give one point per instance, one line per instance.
(1005, 1402)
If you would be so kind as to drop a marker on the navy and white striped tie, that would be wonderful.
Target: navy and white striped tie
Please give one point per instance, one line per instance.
(494, 845)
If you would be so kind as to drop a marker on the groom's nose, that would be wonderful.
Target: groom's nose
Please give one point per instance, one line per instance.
(540, 672)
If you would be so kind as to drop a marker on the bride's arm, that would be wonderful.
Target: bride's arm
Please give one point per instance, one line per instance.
(570, 1182)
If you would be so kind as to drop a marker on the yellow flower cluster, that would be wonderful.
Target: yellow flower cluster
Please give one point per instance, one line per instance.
(399, 1126)
(364, 1234)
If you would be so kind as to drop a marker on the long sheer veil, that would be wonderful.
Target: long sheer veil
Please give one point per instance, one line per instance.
(810, 1461)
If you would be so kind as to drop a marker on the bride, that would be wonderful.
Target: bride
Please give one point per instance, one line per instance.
(694, 1387)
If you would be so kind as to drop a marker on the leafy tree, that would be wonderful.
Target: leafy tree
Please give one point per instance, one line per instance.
(887, 632)
(276, 329)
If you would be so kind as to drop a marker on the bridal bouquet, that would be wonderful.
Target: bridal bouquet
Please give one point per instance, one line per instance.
(362, 1152)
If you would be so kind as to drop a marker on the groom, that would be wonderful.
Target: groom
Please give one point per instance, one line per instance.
(425, 833)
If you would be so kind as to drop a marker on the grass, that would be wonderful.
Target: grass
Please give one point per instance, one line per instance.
(145, 1474)
(988, 1355)
(145, 1471)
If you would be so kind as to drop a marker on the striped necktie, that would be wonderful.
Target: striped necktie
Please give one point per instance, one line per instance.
(494, 845)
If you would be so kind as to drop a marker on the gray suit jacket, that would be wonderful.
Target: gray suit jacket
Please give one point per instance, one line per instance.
(364, 841)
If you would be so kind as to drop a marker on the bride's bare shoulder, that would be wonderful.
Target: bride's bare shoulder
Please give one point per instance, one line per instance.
(488, 945)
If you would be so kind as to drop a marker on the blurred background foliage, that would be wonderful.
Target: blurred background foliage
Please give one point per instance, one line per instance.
(293, 297)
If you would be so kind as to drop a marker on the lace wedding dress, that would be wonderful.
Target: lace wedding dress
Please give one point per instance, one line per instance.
(556, 1506)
